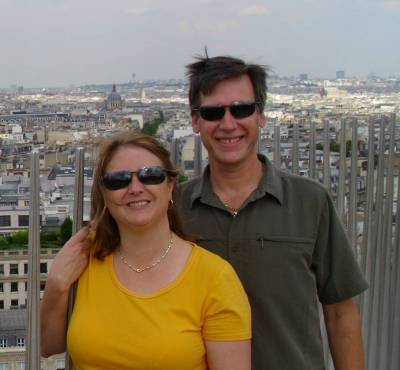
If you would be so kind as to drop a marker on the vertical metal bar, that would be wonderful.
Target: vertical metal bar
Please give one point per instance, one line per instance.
(369, 248)
(198, 158)
(76, 225)
(387, 303)
(295, 148)
(376, 306)
(175, 156)
(352, 224)
(277, 145)
(394, 356)
(327, 162)
(342, 172)
(32, 355)
(312, 150)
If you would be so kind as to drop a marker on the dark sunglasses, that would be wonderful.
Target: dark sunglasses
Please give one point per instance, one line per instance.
(147, 176)
(217, 112)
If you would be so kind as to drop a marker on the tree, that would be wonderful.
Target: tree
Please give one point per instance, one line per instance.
(66, 230)
(150, 128)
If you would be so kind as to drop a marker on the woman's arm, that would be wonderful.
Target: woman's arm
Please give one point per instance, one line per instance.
(66, 268)
(235, 355)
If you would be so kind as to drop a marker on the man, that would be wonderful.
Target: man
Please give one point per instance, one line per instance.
(280, 232)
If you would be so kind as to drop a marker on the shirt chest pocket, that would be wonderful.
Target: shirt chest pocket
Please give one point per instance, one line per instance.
(275, 262)
(288, 252)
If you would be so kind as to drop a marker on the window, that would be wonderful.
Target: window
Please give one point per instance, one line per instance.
(26, 286)
(4, 365)
(5, 220)
(3, 343)
(1, 305)
(42, 285)
(20, 342)
(14, 304)
(20, 365)
(60, 364)
(1, 288)
(14, 286)
(13, 268)
(1, 269)
(25, 268)
(23, 220)
(43, 268)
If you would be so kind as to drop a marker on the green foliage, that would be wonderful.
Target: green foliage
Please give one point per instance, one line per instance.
(150, 128)
(20, 237)
(66, 230)
(20, 240)
(182, 178)
(335, 147)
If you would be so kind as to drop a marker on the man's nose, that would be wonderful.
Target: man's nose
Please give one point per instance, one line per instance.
(228, 122)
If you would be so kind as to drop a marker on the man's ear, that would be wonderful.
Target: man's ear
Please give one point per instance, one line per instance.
(196, 123)
(262, 120)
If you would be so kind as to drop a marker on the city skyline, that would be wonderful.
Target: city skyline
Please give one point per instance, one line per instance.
(58, 43)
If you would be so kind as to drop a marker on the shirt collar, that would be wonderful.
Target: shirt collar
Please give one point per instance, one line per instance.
(271, 183)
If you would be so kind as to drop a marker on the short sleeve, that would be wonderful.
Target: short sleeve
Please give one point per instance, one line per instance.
(227, 315)
(337, 271)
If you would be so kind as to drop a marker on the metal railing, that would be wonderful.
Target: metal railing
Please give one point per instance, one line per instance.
(369, 213)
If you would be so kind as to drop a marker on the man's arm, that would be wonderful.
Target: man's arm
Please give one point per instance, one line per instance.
(343, 326)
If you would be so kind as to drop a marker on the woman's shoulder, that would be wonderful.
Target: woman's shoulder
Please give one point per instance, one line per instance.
(209, 262)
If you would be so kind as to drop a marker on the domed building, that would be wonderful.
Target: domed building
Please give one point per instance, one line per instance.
(114, 100)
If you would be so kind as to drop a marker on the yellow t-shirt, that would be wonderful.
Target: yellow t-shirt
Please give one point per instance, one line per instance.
(113, 328)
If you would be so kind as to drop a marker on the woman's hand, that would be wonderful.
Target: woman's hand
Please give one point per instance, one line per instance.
(70, 261)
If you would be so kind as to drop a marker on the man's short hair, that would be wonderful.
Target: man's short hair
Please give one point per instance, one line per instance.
(206, 73)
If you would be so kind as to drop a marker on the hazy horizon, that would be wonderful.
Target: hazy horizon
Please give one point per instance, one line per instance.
(58, 43)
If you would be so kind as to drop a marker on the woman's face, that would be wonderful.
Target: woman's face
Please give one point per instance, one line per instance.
(137, 205)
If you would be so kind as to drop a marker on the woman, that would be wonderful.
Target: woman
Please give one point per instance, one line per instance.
(146, 298)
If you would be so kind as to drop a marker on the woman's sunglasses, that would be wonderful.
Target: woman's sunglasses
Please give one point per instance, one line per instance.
(217, 112)
(147, 176)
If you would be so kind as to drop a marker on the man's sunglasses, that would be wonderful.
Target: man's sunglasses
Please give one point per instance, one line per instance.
(217, 112)
(147, 176)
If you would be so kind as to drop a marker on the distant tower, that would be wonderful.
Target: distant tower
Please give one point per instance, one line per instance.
(303, 76)
(340, 74)
(143, 95)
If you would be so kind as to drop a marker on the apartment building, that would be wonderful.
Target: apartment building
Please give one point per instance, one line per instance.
(13, 276)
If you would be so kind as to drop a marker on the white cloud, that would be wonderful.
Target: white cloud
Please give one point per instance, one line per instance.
(207, 25)
(255, 9)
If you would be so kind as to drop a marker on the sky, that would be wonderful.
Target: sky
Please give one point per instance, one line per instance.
(50, 43)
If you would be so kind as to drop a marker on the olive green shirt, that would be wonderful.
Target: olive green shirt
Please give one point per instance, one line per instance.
(290, 249)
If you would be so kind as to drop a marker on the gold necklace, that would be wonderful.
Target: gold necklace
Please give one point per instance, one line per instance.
(154, 264)
(232, 210)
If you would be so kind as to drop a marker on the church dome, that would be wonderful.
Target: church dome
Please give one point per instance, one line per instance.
(114, 96)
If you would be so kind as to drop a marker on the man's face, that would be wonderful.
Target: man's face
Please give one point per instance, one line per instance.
(230, 140)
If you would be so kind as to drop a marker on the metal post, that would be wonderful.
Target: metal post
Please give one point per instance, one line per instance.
(373, 352)
(76, 225)
(277, 145)
(352, 224)
(369, 248)
(327, 164)
(394, 343)
(295, 148)
(32, 355)
(174, 152)
(342, 172)
(385, 296)
(198, 158)
(312, 149)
